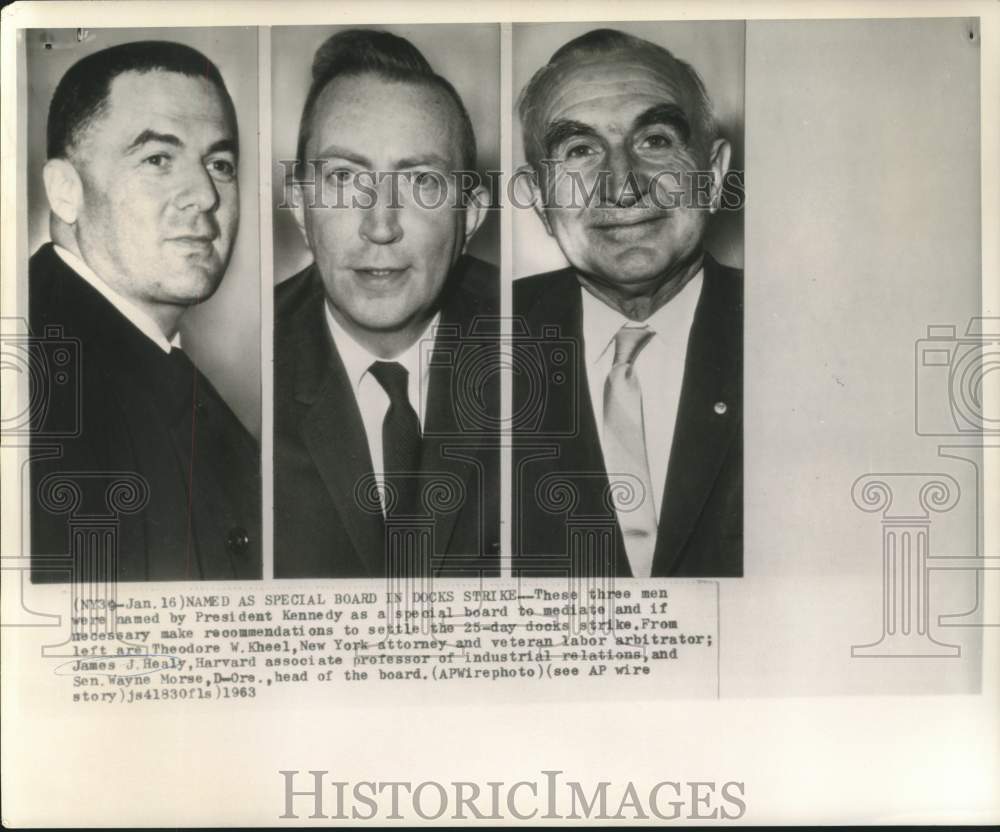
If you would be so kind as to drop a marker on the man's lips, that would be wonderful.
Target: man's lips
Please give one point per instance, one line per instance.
(193, 240)
(612, 222)
(380, 271)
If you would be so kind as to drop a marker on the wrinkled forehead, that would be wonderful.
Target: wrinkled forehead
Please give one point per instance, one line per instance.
(614, 83)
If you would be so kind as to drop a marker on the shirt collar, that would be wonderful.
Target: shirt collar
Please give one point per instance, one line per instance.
(601, 322)
(358, 360)
(140, 319)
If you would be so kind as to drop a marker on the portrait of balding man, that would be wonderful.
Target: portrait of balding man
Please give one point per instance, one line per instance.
(159, 480)
(386, 350)
(628, 461)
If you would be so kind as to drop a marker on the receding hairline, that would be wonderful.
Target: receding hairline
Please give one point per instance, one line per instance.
(429, 84)
(593, 63)
(537, 93)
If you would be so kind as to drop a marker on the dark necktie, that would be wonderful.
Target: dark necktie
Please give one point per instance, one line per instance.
(182, 383)
(401, 438)
(180, 360)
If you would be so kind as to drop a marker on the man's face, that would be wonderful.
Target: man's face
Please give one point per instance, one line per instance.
(384, 262)
(638, 123)
(160, 200)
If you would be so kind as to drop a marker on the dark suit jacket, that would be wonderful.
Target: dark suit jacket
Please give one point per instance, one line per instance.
(130, 448)
(560, 486)
(327, 523)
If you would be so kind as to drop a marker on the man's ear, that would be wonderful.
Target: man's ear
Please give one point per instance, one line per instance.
(719, 163)
(64, 189)
(299, 209)
(529, 175)
(475, 211)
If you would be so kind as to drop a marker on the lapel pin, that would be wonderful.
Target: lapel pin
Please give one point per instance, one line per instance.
(721, 408)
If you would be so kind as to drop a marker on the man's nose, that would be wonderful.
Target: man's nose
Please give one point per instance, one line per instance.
(627, 182)
(198, 190)
(380, 223)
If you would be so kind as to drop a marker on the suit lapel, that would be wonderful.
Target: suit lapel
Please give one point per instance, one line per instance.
(334, 434)
(442, 451)
(450, 447)
(146, 402)
(570, 413)
(702, 436)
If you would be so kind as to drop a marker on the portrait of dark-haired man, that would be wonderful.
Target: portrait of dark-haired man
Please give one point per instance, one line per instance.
(140, 469)
(386, 354)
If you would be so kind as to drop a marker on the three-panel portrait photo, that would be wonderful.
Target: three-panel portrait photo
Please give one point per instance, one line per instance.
(431, 410)
(508, 411)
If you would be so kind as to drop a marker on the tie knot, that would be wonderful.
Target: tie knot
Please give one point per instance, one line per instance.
(629, 340)
(393, 377)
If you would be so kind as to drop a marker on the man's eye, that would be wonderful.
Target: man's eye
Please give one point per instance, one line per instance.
(428, 179)
(658, 141)
(341, 175)
(157, 160)
(579, 151)
(222, 168)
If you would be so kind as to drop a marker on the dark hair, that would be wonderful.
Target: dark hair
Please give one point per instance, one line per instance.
(600, 42)
(354, 52)
(82, 93)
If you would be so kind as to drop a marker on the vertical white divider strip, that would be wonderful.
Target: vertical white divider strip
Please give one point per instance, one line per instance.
(506, 265)
(266, 296)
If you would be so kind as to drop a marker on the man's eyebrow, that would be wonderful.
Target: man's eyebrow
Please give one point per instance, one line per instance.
(563, 129)
(335, 152)
(147, 136)
(222, 146)
(434, 160)
(668, 114)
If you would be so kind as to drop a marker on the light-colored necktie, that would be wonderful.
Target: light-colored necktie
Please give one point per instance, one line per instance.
(625, 452)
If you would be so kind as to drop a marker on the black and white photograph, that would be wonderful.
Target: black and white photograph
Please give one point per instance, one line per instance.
(386, 351)
(628, 406)
(143, 290)
(517, 413)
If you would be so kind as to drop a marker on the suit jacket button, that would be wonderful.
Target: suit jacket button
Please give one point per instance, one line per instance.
(237, 541)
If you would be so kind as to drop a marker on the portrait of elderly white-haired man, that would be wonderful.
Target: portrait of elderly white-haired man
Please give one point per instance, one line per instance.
(628, 462)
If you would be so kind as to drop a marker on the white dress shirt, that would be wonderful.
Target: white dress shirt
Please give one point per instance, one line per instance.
(140, 319)
(373, 401)
(659, 366)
